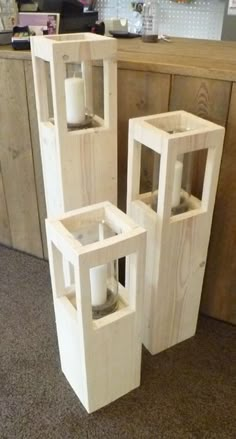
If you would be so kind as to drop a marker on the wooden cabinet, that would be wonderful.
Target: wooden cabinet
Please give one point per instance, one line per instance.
(212, 100)
(219, 289)
(20, 224)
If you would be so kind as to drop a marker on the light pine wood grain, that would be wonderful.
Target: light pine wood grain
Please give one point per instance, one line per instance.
(80, 166)
(176, 245)
(94, 159)
(51, 169)
(100, 358)
(16, 160)
(98, 90)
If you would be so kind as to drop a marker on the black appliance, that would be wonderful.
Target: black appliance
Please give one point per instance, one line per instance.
(73, 17)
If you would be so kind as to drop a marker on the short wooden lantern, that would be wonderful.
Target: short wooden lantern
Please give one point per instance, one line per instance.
(178, 223)
(78, 147)
(101, 354)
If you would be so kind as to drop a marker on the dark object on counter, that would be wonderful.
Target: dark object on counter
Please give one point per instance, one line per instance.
(98, 28)
(123, 34)
(70, 7)
(150, 38)
(83, 22)
(21, 38)
(5, 37)
(50, 5)
(73, 18)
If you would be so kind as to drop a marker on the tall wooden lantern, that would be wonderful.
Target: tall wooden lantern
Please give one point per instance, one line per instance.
(178, 223)
(98, 320)
(78, 147)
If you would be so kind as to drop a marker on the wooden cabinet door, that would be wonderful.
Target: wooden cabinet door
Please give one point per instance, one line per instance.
(33, 122)
(219, 292)
(207, 98)
(210, 99)
(19, 205)
(139, 94)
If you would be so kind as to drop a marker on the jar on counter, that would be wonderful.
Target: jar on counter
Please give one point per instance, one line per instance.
(150, 21)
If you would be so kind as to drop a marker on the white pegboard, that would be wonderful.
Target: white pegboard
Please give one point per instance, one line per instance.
(199, 19)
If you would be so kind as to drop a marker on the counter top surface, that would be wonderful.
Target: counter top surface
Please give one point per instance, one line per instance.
(211, 59)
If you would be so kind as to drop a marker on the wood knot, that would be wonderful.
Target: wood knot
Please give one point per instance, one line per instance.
(141, 104)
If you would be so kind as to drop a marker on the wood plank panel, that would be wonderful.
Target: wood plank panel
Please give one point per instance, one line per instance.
(5, 233)
(206, 98)
(210, 99)
(139, 94)
(16, 159)
(219, 289)
(36, 152)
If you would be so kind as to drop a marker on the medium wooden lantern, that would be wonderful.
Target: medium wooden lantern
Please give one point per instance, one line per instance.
(98, 320)
(178, 224)
(78, 147)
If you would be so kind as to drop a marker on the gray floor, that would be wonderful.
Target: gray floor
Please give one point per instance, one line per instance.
(186, 392)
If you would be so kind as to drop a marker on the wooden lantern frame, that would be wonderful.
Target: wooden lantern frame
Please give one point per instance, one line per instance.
(79, 166)
(176, 245)
(100, 358)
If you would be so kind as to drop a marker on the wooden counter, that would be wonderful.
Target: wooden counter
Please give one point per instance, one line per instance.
(208, 59)
(194, 75)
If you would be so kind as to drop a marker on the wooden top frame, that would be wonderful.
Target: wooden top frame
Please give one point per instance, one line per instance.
(130, 241)
(61, 231)
(155, 131)
(74, 47)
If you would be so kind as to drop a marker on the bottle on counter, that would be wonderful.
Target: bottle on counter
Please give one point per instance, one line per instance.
(150, 21)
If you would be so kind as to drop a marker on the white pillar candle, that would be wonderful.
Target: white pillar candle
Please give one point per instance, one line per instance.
(75, 102)
(178, 171)
(98, 282)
